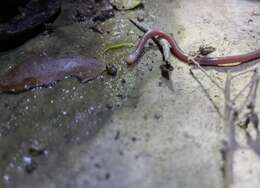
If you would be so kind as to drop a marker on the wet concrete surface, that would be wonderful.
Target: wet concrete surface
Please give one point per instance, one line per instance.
(135, 129)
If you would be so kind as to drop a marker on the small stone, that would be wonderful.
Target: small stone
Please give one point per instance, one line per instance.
(121, 153)
(140, 16)
(109, 106)
(157, 116)
(111, 70)
(35, 151)
(107, 175)
(30, 168)
(6, 178)
(133, 139)
(97, 165)
(123, 81)
(119, 95)
(206, 50)
(250, 20)
(27, 160)
(150, 68)
(117, 135)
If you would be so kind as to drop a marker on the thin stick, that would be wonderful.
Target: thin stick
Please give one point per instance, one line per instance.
(230, 125)
(249, 84)
(232, 115)
(252, 101)
(205, 72)
(254, 78)
(207, 94)
(244, 72)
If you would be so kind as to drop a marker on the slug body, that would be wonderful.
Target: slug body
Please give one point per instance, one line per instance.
(182, 56)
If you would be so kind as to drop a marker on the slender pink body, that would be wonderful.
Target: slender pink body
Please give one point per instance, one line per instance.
(178, 53)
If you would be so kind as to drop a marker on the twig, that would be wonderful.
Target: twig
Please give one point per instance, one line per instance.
(227, 96)
(139, 26)
(254, 78)
(207, 94)
(249, 84)
(244, 72)
(252, 101)
(205, 72)
(230, 117)
(231, 114)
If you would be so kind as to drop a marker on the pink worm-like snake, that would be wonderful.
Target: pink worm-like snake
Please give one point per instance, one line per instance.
(178, 53)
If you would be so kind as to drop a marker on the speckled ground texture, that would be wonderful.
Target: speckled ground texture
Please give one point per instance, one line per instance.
(136, 129)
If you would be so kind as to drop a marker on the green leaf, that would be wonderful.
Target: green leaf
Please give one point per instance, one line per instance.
(119, 45)
(126, 4)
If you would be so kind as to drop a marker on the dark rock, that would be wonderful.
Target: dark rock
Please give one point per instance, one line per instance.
(30, 168)
(157, 116)
(93, 10)
(97, 165)
(117, 135)
(140, 16)
(111, 70)
(10, 8)
(206, 50)
(35, 151)
(27, 21)
(123, 81)
(133, 139)
(107, 175)
(109, 106)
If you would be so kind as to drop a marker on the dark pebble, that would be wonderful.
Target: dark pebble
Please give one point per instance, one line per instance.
(30, 168)
(123, 81)
(97, 165)
(117, 135)
(107, 175)
(140, 16)
(206, 50)
(157, 116)
(109, 106)
(33, 151)
(133, 139)
(121, 153)
(111, 70)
